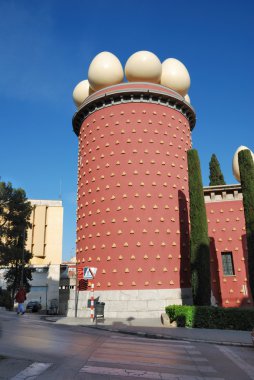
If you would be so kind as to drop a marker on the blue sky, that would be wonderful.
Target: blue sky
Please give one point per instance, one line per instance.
(46, 48)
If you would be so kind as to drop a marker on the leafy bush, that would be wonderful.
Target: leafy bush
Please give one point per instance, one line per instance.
(5, 299)
(211, 317)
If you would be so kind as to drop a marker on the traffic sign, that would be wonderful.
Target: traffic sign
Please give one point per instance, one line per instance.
(89, 273)
(93, 270)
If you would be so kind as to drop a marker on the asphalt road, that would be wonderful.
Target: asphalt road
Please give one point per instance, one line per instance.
(35, 349)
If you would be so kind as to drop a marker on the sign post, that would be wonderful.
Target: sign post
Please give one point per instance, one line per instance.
(92, 303)
(89, 274)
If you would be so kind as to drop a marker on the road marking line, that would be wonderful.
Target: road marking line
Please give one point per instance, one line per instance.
(154, 343)
(149, 349)
(32, 371)
(137, 373)
(165, 346)
(165, 341)
(194, 352)
(158, 354)
(242, 364)
(199, 359)
(180, 366)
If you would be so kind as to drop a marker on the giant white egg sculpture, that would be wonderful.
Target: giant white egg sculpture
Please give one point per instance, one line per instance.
(143, 66)
(187, 98)
(81, 92)
(175, 76)
(235, 163)
(105, 70)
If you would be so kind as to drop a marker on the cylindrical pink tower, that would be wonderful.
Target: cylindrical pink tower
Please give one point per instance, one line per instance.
(132, 218)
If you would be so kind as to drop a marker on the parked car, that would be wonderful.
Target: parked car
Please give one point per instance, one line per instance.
(33, 306)
(252, 336)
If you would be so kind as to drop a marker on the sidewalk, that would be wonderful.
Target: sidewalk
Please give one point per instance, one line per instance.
(153, 328)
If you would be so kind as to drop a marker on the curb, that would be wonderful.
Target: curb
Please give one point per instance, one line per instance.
(168, 337)
(158, 336)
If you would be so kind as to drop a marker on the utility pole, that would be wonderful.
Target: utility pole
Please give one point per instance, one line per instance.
(76, 289)
(22, 265)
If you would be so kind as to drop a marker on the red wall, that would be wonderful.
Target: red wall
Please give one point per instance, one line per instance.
(132, 197)
(226, 227)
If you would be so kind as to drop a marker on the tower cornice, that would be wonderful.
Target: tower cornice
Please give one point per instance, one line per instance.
(131, 93)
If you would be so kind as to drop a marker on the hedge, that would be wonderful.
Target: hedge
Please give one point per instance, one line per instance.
(211, 317)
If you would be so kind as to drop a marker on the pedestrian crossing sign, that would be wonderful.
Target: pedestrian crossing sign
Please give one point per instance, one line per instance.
(89, 273)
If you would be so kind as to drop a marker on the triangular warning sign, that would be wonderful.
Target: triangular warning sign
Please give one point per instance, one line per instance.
(87, 274)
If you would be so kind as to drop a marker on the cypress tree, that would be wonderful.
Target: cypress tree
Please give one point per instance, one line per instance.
(199, 240)
(216, 176)
(246, 166)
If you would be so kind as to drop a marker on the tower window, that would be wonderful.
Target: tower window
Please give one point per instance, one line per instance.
(227, 263)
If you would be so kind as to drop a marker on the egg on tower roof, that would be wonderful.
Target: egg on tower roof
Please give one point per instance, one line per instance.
(81, 92)
(105, 70)
(143, 66)
(175, 76)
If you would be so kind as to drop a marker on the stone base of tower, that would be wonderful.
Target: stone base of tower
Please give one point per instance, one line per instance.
(130, 303)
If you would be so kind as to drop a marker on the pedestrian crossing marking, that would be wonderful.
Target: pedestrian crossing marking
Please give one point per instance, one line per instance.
(149, 359)
(147, 363)
(32, 371)
(139, 373)
(247, 368)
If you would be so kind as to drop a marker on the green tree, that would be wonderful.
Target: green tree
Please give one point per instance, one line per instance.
(246, 166)
(199, 240)
(15, 211)
(216, 176)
